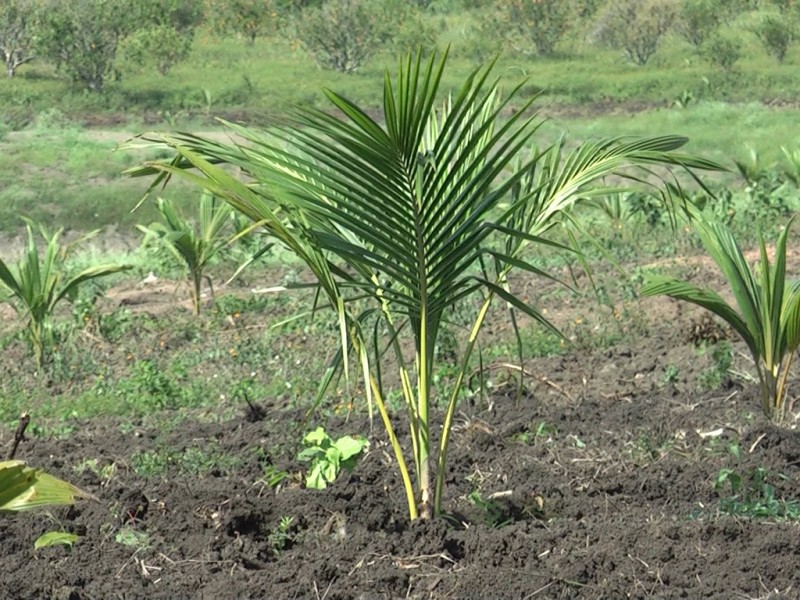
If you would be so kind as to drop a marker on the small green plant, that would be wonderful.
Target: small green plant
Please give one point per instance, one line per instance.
(281, 537)
(671, 374)
(195, 246)
(752, 495)
(617, 207)
(274, 476)
(104, 473)
(133, 538)
(37, 284)
(328, 456)
(538, 431)
(196, 461)
(768, 319)
(721, 362)
(492, 511)
(792, 170)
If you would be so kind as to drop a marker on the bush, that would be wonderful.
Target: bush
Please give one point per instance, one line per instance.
(635, 26)
(776, 31)
(698, 19)
(248, 18)
(343, 34)
(723, 50)
(530, 24)
(81, 37)
(166, 34)
(413, 29)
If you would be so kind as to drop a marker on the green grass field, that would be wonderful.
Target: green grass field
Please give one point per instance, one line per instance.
(57, 158)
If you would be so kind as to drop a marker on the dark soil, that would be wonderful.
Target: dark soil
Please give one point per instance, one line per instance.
(613, 497)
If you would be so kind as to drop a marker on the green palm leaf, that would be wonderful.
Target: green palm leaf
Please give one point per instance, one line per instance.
(23, 488)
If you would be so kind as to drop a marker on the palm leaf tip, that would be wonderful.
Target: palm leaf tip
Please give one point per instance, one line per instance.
(25, 488)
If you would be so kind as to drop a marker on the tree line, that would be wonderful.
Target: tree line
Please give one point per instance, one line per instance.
(83, 39)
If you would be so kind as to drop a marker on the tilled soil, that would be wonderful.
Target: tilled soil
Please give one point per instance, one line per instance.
(597, 483)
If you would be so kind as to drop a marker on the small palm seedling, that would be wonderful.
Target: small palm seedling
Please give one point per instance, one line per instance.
(194, 245)
(39, 283)
(792, 170)
(618, 207)
(768, 316)
(402, 217)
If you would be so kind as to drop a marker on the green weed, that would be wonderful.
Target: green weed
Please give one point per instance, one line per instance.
(281, 537)
(751, 494)
(721, 361)
(194, 461)
(491, 511)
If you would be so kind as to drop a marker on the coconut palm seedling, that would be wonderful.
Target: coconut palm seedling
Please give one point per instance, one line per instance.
(403, 216)
(768, 315)
(38, 283)
(194, 245)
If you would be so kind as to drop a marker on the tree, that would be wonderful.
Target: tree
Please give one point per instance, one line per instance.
(635, 26)
(776, 31)
(166, 32)
(81, 37)
(698, 19)
(531, 24)
(250, 19)
(16, 33)
(723, 49)
(343, 34)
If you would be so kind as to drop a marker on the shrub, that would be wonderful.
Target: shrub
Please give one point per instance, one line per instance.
(698, 19)
(343, 34)
(81, 37)
(635, 26)
(166, 33)
(528, 25)
(776, 31)
(16, 33)
(250, 19)
(723, 49)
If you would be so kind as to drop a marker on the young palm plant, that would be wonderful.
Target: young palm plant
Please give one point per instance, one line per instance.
(768, 319)
(38, 284)
(195, 246)
(401, 218)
